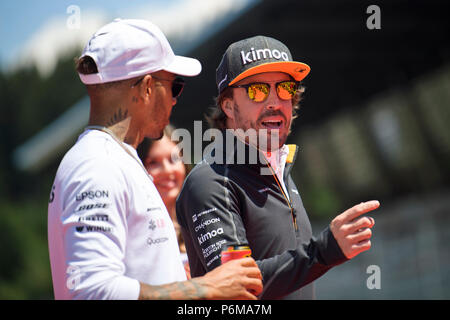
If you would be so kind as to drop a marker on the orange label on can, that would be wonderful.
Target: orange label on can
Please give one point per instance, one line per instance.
(235, 252)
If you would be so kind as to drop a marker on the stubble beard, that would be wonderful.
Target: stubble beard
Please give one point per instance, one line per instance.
(157, 120)
(256, 137)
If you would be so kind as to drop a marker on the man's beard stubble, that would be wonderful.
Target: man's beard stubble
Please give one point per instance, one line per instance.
(262, 143)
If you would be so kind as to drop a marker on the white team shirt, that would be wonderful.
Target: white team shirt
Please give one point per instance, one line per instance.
(108, 227)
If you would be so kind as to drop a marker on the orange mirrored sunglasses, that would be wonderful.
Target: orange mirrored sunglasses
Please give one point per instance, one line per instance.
(259, 91)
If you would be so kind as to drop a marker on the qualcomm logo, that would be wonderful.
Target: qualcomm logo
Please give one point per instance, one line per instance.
(151, 241)
(255, 55)
(209, 235)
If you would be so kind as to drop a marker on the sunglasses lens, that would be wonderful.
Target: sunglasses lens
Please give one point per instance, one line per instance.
(286, 89)
(258, 92)
(177, 87)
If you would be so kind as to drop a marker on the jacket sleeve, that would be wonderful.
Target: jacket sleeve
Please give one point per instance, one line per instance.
(208, 211)
(293, 269)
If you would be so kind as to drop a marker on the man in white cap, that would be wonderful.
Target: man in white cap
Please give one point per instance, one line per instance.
(103, 202)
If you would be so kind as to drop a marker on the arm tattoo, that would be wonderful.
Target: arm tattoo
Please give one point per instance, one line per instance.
(117, 117)
(187, 290)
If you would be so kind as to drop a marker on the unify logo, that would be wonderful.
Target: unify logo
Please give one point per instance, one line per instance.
(209, 235)
(256, 55)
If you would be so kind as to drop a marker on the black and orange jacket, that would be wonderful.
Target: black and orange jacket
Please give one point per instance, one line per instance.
(228, 199)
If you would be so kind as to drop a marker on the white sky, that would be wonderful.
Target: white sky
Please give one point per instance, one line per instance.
(39, 31)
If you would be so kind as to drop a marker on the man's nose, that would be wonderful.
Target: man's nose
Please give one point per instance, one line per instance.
(273, 101)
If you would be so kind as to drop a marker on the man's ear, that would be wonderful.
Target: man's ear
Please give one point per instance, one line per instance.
(145, 90)
(228, 108)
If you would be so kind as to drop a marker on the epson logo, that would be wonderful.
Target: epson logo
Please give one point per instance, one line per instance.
(255, 55)
(209, 235)
(92, 195)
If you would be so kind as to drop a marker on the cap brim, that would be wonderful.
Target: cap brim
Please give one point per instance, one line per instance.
(297, 70)
(184, 66)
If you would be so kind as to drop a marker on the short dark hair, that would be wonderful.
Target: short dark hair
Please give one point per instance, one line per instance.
(86, 65)
(216, 118)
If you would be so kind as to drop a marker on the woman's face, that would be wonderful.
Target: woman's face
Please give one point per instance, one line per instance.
(168, 171)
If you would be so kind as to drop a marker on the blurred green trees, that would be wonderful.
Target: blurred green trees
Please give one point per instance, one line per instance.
(29, 102)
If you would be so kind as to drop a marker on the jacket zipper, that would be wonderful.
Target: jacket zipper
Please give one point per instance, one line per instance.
(294, 219)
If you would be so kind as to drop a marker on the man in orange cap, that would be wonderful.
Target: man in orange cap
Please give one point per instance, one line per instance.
(233, 198)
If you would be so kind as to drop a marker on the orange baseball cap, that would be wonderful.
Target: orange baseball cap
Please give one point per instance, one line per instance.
(257, 55)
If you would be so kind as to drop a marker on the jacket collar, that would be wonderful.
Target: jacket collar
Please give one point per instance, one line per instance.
(231, 150)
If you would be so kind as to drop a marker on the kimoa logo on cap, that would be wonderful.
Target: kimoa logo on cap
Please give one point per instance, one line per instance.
(256, 55)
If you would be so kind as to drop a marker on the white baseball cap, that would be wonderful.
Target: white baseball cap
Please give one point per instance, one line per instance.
(128, 48)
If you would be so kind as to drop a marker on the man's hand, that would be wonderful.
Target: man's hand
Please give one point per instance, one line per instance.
(237, 279)
(353, 232)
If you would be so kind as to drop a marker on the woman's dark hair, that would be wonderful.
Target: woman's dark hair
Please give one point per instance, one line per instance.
(147, 143)
(145, 146)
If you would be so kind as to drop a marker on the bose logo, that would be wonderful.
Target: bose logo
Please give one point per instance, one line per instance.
(255, 55)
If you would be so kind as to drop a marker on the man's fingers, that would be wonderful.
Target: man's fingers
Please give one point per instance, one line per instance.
(254, 286)
(360, 223)
(361, 246)
(253, 273)
(247, 262)
(360, 236)
(359, 209)
(247, 296)
(352, 232)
